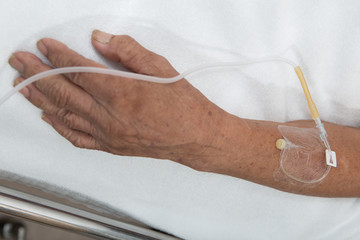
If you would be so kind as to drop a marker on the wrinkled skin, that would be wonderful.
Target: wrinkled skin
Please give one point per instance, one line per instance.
(119, 115)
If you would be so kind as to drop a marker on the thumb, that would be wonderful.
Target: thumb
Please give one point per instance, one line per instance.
(127, 51)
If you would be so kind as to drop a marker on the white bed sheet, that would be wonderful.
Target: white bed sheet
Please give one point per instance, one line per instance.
(322, 36)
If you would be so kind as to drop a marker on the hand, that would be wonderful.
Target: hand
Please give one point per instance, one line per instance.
(119, 115)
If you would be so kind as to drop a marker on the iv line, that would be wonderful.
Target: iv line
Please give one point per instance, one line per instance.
(137, 76)
(331, 160)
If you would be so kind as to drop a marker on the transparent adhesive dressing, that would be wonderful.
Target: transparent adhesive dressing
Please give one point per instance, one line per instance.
(331, 157)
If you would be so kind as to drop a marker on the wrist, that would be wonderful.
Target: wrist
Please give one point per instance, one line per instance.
(220, 141)
(240, 148)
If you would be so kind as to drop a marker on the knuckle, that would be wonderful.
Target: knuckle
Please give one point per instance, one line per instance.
(150, 69)
(40, 103)
(59, 95)
(66, 60)
(78, 142)
(60, 59)
(74, 140)
(66, 117)
(79, 76)
(68, 135)
(78, 61)
(146, 62)
(147, 58)
(124, 43)
(44, 105)
(127, 47)
(56, 54)
(125, 40)
(34, 68)
(141, 59)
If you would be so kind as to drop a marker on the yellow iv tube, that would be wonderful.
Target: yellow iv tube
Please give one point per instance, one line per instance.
(312, 107)
(330, 155)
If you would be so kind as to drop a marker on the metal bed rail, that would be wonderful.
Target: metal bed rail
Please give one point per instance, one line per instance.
(27, 206)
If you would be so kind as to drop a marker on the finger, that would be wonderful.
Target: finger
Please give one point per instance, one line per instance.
(57, 89)
(127, 51)
(73, 121)
(61, 56)
(69, 118)
(35, 96)
(25, 90)
(77, 138)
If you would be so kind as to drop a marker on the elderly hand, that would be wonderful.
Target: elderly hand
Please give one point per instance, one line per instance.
(119, 115)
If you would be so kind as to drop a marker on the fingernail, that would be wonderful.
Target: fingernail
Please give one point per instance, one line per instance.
(46, 119)
(25, 92)
(15, 63)
(41, 46)
(101, 37)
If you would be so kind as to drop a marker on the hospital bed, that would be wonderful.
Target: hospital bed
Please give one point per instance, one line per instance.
(104, 195)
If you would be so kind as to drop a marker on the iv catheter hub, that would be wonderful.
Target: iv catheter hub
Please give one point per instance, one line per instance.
(330, 158)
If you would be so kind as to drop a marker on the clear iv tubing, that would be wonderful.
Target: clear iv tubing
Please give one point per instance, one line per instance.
(135, 75)
(119, 73)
